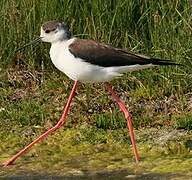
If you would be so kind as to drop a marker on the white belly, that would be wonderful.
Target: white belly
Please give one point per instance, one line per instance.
(75, 68)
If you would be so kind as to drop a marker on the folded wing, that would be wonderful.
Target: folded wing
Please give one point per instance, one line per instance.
(108, 56)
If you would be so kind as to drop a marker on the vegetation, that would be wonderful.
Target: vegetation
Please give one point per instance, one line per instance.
(158, 29)
(32, 91)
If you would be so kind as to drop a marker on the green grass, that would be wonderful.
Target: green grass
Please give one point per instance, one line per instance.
(184, 121)
(33, 92)
(159, 29)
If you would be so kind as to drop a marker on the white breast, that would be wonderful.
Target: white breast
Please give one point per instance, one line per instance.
(77, 69)
(74, 68)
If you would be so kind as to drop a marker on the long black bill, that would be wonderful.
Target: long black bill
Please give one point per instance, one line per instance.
(37, 40)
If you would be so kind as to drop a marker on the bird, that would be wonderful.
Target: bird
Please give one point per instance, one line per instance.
(88, 61)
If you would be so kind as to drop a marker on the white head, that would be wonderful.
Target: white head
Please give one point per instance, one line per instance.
(54, 31)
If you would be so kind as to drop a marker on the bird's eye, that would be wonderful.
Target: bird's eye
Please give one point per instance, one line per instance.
(47, 31)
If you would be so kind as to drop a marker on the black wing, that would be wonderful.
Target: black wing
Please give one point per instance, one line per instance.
(107, 56)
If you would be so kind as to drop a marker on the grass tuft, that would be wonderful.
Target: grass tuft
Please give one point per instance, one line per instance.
(158, 29)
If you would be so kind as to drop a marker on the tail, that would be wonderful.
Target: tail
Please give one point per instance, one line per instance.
(163, 62)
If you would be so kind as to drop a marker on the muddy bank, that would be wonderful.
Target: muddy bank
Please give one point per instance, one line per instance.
(120, 175)
(87, 152)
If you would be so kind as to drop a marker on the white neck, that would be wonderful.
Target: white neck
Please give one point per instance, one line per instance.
(58, 47)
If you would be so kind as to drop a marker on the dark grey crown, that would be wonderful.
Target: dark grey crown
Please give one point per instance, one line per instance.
(53, 25)
(50, 25)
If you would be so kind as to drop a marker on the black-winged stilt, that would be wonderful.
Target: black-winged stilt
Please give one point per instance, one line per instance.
(88, 61)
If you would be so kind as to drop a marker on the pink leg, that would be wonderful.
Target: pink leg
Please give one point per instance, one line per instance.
(51, 130)
(128, 118)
